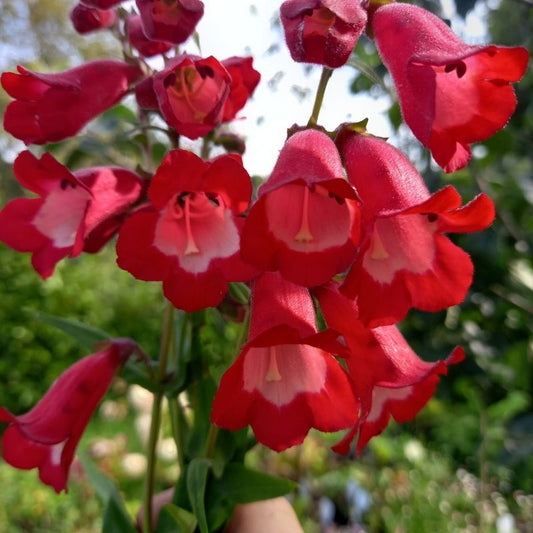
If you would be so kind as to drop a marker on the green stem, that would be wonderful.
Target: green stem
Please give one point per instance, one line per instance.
(177, 422)
(211, 441)
(177, 418)
(322, 84)
(165, 347)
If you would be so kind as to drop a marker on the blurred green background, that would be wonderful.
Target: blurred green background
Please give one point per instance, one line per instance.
(465, 463)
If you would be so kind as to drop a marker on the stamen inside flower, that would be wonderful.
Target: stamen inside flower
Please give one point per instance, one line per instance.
(378, 248)
(191, 247)
(304, 233)
(196, 227)
(273, 373)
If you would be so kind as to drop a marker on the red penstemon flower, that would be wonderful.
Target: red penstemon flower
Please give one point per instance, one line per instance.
(405, 259)
(47, 436)
(388, 377)
(171, 21)
(189, 237)
(322, 31)
(285, 381)
(73, 208)
(305, 222)
(137, 38)
(53, 107)
(101, 4)
(244, 80)
(190, 92)
(88, 19)
(451, 94)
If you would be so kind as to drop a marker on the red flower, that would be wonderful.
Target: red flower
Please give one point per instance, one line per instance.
(244, 80)
(189, 239)
(88, 19)
(451, 94)
(284, 382)
(322, 31)
(306, 221)
(172, 21)
(190, 93)
(46, 438)
(388, 377)
(405, 260)
(74, 207)
(140, 42)
(52, 107)
(101, 4)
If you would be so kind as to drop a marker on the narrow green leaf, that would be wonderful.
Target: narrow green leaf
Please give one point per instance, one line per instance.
(367, 71)
(182, 518)
(242, 485)
(83, 333)
(116, 520)
(121, 112)
(103, 486)
(196, 484)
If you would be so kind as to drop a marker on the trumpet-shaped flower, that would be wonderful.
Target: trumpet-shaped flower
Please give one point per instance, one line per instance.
(88, 19)
(190, 92)
(323, 32)
(47, 436)
(137, 38)
(285, 381)
(451, 94)
(305, 223)
(388, 377)
(76, 211)
(405, 259)
(171, 21)
(189, 237)
(244, 80)
(53, 107)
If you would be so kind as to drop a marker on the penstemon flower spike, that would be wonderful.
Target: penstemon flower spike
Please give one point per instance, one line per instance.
(344, 229)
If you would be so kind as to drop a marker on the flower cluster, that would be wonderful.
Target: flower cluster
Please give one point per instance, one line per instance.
(344, 223)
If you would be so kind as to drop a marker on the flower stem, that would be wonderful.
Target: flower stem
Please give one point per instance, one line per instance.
(165, 348)
(322, 84)
(211, 441)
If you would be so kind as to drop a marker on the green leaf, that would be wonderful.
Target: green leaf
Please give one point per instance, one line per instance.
(103, 486)
(116, 520)
(242, 485)
(196, 484)
(201, 400)
(159, 151)
(185, 520)
(122, 113)
(504, 410)
(367, 71)
(230, 446)
(86, 335)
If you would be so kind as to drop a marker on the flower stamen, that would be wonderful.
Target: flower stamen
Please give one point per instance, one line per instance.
(304, 233)
(191, 247)
(273, 373)
(378, 248)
